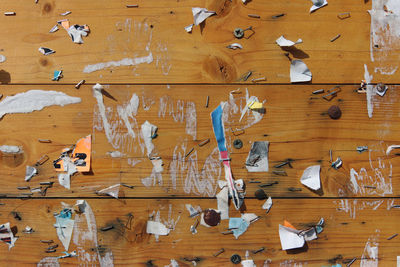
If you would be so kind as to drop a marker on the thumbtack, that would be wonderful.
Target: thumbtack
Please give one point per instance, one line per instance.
(50, 250)
(281, 173)
(129, 186)
(268, 184)
(47, 241)
(23, 187)
(44, 141)
(247, 75)
(351, 262)
(190, 151)
(130, 6)
(9, 13)
(237, 132)
(106, 228)
(258, 250)
(239, 33)
(207, 101)
(294, 189)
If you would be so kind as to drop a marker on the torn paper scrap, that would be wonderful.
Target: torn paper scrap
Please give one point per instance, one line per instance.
(57, 75)
(309, 234)
(201, 14)
(311, 178)
(34, 100)
(283, 42)
(77, 31)
(54, 29)
(148, 130)
(111, 191)
(223, 203)
(82, 154)
(64, 226)
(189, 28)
(156, 228)
(248, 263)
(257, 160)
(69, 167)
(238, 226)
(193, 212)
(66, 13)
(10, 149)
(299, 72)
(317, 4)
(173, 263)
(250, 217)
(290, 238)
(46, 51)
(30, 172)
(267, 205)
(390, 148)
(255, 105)
(235, 46)
(7, 236)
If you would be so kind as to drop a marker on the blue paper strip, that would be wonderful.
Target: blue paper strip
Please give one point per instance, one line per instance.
(216, 117)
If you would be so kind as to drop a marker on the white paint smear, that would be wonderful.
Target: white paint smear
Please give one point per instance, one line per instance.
(378, 174)
(385, 35)
(352, 207)
(34, 100)
(369, 257)
(85, 238)
(200, 182)
(123, 62)
(10, 149)
(371, 91)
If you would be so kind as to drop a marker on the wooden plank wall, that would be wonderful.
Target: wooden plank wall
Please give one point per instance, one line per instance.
(184, 70)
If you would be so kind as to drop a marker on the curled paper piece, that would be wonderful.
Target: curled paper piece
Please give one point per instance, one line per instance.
(311, 178)
(290, 238)
(299, 72)
(390, 148)
(7, 236)
(317, 4)
(235, 46)
(267, 205)
(30, 172)
(156, 228)
(112, 191)
(201, 14)
(283, 42)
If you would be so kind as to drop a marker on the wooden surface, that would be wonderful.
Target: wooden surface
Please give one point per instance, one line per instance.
(184, 70)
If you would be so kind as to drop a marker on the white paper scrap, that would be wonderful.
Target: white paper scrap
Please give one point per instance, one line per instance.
(111, 191)
(299, 72)
(189, 28)
(156, 228)
(290, 238)
(34, 100)
(390, 148)
(317, 4)
(30, 172)
(267, 205)
(147, 130)
(10, 149)
(310, 177)
(257, 159)
(250, 217)
(235, 46)
(54, 29)
(223, 203)
(201, 14)
(77, 31)
(283, 42)
(248, 263)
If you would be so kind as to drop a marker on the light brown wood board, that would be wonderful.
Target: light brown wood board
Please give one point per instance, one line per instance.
(345, 235)
(296, 124)
(119, 33)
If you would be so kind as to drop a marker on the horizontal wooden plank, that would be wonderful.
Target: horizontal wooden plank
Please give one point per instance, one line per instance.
(343, 237)
(154, 33)
(296, 125)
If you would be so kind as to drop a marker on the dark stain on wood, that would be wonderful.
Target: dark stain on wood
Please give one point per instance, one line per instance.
(47, 8)
(335, 259)
(43, 62)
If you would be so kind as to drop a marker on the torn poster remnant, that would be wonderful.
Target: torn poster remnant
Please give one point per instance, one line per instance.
(299, 72)
(34, 100)
(201, 14)
(283, 42)
(7, 236)
(112, 191)
(156, 228)
(64, 225)
(10, 149)
(310, 177)
(317, 4)
(385, 35)
(257, 160)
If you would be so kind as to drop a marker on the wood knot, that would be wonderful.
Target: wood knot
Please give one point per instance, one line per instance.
(218, 69)
(43, 62)
(47, 8)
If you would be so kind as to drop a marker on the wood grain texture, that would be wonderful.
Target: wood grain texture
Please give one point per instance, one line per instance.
(343, 237)
(296, 125)
(118, 32)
